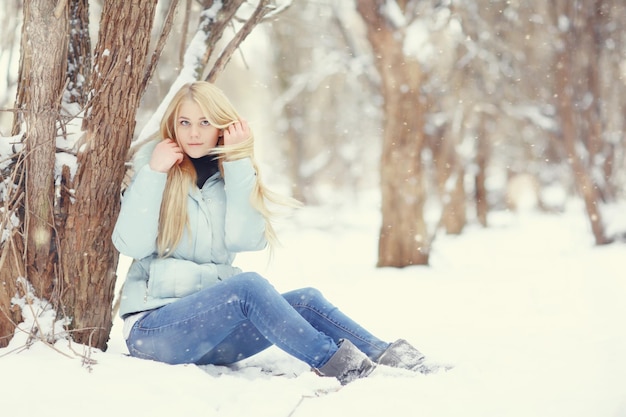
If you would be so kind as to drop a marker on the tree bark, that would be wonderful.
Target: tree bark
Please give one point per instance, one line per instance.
(480, 179)
(88, 257)
(403, 238)
(450, 177)
(42, 84)
(582, 178)
(32, 252)
(567, 71)
(79, 53)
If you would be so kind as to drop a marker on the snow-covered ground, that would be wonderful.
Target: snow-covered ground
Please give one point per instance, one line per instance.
(529, 311)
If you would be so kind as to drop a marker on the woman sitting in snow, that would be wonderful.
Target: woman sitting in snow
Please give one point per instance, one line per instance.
(197, 201)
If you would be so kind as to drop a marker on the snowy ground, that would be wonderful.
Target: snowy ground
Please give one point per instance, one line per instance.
(529, 312)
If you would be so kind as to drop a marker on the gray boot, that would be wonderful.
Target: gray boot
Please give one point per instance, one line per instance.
(347, 364)
(400, 354)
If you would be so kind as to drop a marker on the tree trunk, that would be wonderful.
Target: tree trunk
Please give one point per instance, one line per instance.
(599, 152)
(32, 253)
(282, 38)
(454, 216)
(79, 53)
(567, 71)
(403, 235)
(43, 80)
(89, 259)
(450, 182)
(482, 157)
(582, 178)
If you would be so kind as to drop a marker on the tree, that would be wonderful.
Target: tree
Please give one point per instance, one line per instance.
(58, 247)
(403, 237)
(580, 27)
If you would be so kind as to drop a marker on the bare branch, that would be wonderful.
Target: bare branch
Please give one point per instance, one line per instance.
(261, 11)
(278, 9)
(184, 31)
(167, 27)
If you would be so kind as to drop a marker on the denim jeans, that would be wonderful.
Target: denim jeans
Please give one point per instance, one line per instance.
(242, 316)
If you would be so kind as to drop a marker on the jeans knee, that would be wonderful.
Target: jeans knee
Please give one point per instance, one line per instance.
(311, 294)
(250, 281)
(308, 296)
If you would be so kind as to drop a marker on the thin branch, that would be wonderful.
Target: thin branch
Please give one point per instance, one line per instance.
(278, 9)
(261, 11)
(183, 37)
(167, 28)
(5, 219)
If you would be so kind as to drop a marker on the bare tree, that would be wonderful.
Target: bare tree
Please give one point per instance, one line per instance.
(42, 75)
(403, 235)
(60, 250)
(576, 80)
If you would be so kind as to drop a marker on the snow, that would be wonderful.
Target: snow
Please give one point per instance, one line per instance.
(417, 41)
(529, 311)
(392, 11)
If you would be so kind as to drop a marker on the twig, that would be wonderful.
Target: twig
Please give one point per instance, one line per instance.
(184, 31)
(260, 12)
(317, 395)
(167, 27)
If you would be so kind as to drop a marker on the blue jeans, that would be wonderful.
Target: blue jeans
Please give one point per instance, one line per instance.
(242, 316)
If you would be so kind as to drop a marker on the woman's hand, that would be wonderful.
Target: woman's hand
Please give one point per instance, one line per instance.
(165, 155)
(236, 133)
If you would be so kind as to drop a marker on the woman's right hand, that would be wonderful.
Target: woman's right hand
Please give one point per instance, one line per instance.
(165, 155)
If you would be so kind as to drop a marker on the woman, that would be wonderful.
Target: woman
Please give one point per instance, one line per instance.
(196, 202)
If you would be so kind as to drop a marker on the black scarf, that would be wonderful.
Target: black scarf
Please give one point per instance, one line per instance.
(205, 167)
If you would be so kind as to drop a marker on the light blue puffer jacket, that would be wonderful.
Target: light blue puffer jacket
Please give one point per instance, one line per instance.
(222, 222)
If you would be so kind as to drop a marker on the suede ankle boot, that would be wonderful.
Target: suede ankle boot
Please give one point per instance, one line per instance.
(401, 354)
(347, 364)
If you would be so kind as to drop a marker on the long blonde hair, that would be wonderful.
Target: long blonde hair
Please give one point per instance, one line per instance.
(219, 111)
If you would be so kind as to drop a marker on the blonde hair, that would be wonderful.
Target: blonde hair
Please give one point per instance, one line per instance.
(219, 111)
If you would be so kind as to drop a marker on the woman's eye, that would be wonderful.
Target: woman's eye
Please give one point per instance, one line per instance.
(205, 123)
(184, 122)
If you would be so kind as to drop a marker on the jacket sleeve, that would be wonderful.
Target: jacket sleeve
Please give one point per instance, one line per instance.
(245, 225)
(136, 228)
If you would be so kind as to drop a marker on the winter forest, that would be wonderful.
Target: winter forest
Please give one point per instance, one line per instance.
(449, 112)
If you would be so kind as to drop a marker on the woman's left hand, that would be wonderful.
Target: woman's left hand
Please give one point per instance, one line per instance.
(236, 133)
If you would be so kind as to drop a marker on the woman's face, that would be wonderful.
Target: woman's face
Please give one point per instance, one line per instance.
(194, 132)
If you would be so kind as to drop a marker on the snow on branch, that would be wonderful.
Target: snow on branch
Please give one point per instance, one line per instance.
(260, 12)
(278, 9)
(393, 13)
